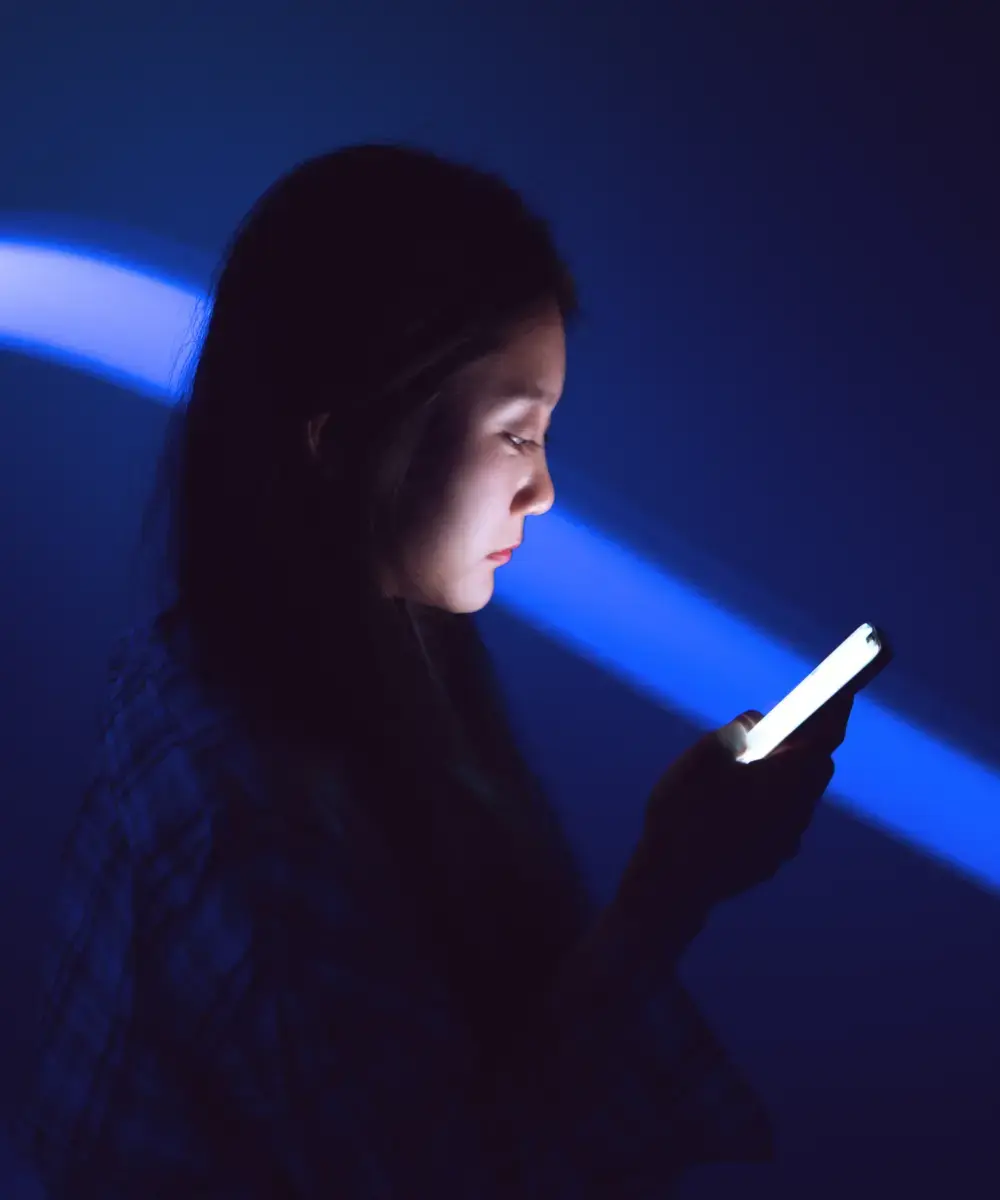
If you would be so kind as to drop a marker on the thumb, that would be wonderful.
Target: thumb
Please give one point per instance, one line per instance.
(733, 736)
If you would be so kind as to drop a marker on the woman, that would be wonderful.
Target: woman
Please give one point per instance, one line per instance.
(321, 934)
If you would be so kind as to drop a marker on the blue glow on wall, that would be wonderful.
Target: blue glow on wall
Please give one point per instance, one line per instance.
(659, 634)
(97, 314)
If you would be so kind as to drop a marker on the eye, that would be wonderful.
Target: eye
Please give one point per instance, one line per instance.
(520, 443)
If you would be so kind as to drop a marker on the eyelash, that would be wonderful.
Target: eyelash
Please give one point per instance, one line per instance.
(519, 443)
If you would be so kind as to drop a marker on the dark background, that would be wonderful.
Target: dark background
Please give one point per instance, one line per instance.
(783, 217)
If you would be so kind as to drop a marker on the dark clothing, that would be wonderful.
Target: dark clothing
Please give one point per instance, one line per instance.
(242, 1004)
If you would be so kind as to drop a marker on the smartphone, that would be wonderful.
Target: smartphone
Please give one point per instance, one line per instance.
(853, 665)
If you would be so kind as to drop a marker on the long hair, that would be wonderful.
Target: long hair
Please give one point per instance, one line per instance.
(358, 285)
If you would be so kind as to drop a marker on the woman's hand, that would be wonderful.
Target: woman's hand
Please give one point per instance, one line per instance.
(716, 827)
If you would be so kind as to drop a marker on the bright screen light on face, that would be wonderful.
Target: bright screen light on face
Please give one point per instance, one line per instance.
(658, 633)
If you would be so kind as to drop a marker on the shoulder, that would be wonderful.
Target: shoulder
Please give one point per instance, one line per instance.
(190, 788)
(155, 711)
(170, 754)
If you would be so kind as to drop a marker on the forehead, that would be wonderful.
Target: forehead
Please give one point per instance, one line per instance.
(521, 390)
(530, 368)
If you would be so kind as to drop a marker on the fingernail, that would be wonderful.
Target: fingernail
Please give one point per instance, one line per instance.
(733, 736)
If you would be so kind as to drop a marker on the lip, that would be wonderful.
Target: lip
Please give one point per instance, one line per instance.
(503, 555)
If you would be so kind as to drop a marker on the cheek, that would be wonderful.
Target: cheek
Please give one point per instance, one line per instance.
(473, 512)
(485, 497)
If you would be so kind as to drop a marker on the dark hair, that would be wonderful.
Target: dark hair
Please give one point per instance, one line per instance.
(358, 285)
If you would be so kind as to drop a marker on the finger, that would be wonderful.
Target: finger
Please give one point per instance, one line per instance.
(791, 773)
(836, 711)
(826, 729)
(733, 736)
(837, 708)
(818, 741)
(814, 774)
(779, 837)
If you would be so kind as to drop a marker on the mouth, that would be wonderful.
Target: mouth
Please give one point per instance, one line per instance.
(503, 555)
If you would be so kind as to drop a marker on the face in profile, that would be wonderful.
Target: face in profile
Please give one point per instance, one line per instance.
(504, 405)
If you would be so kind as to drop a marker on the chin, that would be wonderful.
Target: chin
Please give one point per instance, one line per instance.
(469, 605)
(469, 593)
(468, 599)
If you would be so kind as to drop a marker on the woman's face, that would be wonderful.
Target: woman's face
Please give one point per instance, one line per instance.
(504, 403)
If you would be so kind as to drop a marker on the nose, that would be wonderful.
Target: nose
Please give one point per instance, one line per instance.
(540, 494)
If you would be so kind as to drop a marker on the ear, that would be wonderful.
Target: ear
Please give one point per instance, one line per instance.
(314, 427)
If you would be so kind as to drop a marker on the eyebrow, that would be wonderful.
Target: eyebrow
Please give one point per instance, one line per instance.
(507, 393)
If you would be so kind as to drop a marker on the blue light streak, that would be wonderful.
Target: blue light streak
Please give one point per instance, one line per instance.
(661, 635)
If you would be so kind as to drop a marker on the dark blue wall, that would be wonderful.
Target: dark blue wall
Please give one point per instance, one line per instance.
(784, 222)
